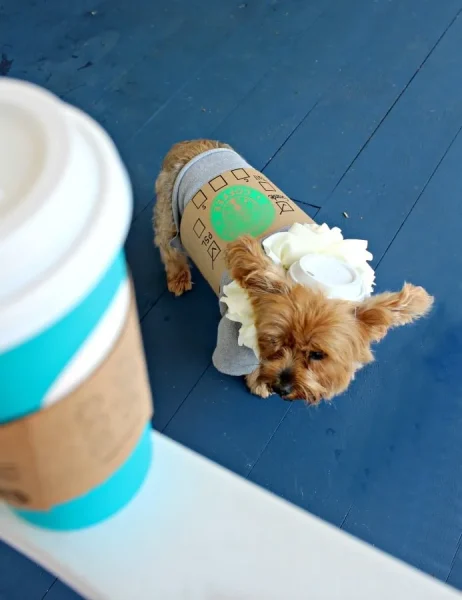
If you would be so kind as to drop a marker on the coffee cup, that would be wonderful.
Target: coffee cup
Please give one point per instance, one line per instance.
(65, 209)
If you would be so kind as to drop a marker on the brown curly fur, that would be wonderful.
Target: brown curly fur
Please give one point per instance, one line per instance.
(310, 347)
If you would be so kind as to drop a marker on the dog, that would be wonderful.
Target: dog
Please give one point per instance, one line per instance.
(310, 347)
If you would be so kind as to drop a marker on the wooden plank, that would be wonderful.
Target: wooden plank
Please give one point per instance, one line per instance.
(143, 30)
(283, 97)
(386, 179)
(93, 42)
(411, 503)
(88, 58)
(25, 40)
(164, 69)
(319, 152)
(388, 447)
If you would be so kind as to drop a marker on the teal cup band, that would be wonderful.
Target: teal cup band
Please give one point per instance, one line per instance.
(28, 371)
(102, 501)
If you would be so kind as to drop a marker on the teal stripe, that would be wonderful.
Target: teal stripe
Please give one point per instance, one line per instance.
(28, 371)
(104, 500)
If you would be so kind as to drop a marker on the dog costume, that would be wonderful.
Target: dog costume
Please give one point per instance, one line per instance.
(218, 197)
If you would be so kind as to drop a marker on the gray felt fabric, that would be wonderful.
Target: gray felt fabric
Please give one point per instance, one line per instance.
(196, 173)
(228, 356)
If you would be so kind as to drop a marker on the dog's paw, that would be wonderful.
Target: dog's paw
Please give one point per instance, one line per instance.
(256, 386)
(180, 282)
(261, 390)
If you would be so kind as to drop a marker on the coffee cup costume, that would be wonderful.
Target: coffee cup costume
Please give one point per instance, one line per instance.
(218, 197)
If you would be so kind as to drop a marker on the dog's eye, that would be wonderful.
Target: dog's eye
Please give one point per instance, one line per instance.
(270, 341)
(316, 355)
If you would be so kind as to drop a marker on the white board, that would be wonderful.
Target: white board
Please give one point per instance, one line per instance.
(198, 532)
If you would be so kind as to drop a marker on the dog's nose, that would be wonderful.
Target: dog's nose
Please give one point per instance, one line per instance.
(284, 385)
(283, 390)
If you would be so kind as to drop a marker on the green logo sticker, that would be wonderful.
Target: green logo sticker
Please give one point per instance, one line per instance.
(240, 210)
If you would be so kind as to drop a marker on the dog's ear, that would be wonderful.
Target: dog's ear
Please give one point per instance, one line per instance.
(253, 270)
(380, 313)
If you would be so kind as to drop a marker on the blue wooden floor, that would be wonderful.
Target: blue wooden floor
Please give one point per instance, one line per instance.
(350, 106)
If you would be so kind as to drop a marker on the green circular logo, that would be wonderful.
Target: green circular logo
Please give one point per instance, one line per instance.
(240, 210)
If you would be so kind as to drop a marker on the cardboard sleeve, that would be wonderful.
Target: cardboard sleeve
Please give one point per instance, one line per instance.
(65, 450)
(232, 204)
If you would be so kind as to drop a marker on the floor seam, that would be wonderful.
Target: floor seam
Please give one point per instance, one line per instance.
(276, 152)
(346, 516)
(453, 562)
(161, 295)
(247, 475)
(186, 397)
(46, 593)
(306, 203)
(237, 106)
(203, 68)
(320, 98)
(411, 210)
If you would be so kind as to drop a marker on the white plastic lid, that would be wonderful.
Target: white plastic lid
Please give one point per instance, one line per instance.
(65, 208)
(329, 274)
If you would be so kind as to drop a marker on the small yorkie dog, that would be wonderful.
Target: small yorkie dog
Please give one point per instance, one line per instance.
(309, 346)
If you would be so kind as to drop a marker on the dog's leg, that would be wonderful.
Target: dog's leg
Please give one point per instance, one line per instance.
(256, 386)
(175, 262)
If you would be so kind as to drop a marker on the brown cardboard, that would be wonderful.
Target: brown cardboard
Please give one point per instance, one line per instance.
(63, 451)
(233, 203)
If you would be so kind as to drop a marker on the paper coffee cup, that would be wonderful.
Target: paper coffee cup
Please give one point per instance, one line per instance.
(330, 275)
(65, 209)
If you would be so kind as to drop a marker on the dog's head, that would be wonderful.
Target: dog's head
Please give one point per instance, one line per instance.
(310, 346)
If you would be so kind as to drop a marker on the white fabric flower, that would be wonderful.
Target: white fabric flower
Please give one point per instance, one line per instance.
(240, 310)
(286, 248)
